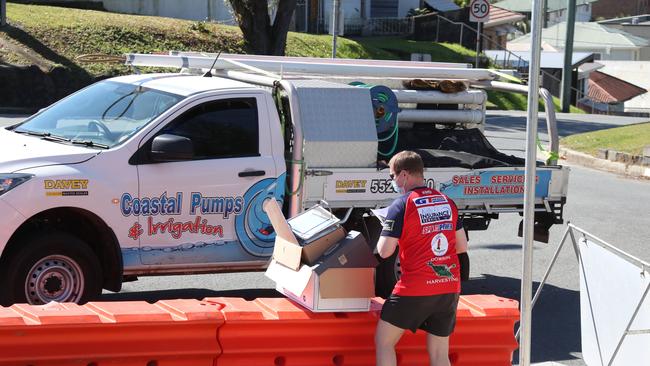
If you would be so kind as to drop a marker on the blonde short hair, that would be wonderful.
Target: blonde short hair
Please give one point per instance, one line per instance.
(409, 161)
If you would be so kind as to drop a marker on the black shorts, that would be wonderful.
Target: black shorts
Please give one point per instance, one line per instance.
(434, 314)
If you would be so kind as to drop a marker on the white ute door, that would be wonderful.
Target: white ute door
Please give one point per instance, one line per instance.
(205, 212)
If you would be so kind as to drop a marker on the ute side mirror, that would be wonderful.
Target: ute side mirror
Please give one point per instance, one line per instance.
(167, 147)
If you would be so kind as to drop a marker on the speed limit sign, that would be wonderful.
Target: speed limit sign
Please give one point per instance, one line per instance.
(479, 11)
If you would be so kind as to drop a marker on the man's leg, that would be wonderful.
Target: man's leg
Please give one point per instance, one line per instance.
(438, 348)
(386, 337)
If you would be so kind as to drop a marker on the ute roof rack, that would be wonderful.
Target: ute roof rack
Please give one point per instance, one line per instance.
(277, 66)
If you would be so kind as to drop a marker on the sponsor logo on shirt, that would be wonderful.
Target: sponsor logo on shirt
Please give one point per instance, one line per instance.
(442, 270)
(434, 214)
(439, 245)
(428, 200)
(429, 229)
(388, 225)
(440, 259)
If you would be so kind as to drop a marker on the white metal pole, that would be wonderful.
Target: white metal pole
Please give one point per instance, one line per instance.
(479, 27)
(525, 323)
(462, 26)
(335, 25)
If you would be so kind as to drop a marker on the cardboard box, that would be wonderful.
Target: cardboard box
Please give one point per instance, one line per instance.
(342, 280)
(331, 273)
(313, 296)
(318, 231)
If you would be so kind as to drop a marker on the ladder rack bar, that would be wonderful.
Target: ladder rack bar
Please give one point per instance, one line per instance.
(338, 61)
(407, 70)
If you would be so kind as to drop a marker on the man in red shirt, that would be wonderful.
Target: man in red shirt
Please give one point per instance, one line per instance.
(432, 246)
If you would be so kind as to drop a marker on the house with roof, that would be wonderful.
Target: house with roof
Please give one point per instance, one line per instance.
(632, 72)
(556, 10)
(638, 25)
(500, 27)
(606, 43)
(608, 94)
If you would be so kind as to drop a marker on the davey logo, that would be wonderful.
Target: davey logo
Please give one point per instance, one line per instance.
(66, 184)
(351, 186)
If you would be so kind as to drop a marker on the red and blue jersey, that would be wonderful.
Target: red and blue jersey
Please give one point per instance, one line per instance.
(425, 222)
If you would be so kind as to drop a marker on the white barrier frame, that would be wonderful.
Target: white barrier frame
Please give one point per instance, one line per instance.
(644, 266)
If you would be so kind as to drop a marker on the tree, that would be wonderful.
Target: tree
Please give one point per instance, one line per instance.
(264, 36)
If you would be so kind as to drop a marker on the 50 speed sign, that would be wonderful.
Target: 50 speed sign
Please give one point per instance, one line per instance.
(479, 11)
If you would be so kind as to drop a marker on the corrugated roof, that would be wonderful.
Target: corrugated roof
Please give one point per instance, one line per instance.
(524, 5)
(442, 5)
(500, 16)
(588, 35)
(637, 72)
(605, 88)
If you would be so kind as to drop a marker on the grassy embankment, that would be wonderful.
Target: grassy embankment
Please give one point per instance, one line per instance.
(54, 37)
(630, 139)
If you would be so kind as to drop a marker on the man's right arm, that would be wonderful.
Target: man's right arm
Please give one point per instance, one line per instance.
(392, 228)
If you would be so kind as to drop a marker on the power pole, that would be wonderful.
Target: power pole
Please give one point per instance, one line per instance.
(567, 72)
(335, 24)
(3, 13)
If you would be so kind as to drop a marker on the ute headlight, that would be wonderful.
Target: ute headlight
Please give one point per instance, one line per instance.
(12, 180)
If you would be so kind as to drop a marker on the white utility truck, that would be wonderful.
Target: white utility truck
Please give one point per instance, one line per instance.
(156, 174)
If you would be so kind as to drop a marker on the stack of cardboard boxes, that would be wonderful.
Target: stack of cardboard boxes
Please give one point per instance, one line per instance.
(317, 264)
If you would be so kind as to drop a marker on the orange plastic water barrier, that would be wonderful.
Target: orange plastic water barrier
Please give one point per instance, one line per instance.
(277, 332)
(167, 333)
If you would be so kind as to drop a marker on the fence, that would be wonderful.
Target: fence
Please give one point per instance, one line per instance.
(373, 26)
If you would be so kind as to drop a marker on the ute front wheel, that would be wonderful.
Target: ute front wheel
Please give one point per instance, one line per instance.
(51, 267)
